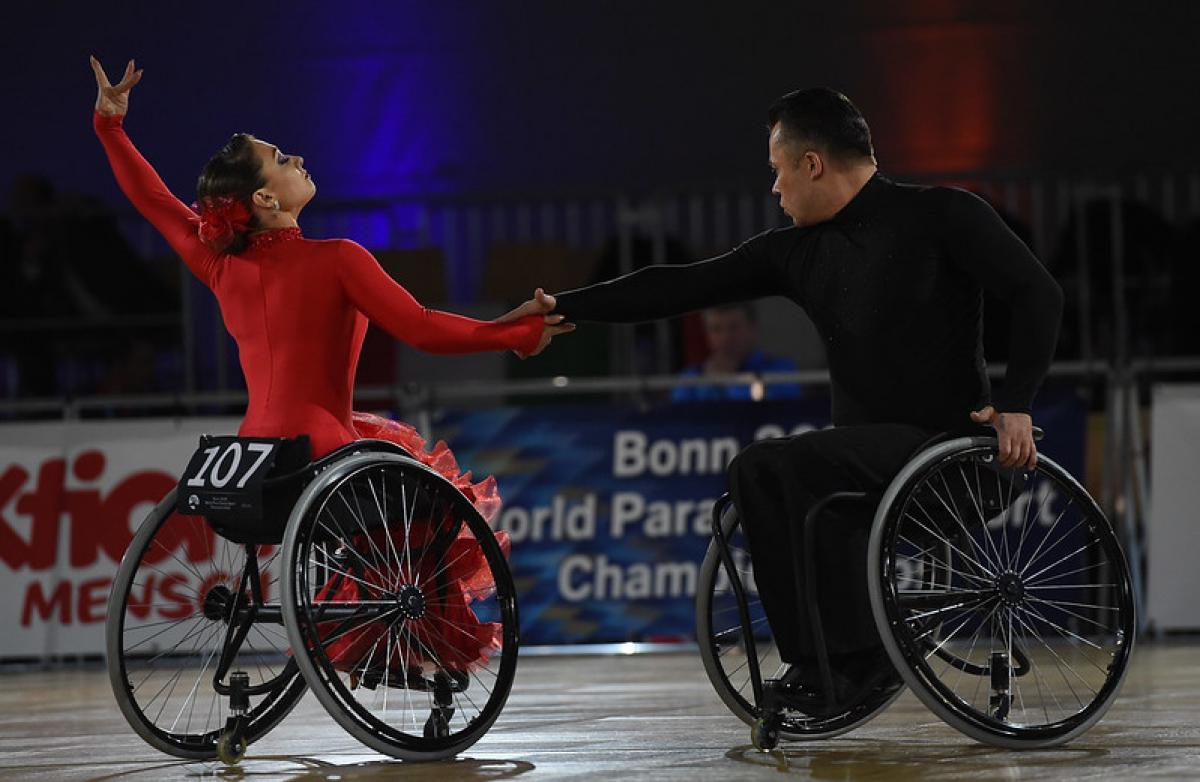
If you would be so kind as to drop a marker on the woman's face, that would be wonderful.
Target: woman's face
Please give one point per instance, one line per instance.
(286, 178)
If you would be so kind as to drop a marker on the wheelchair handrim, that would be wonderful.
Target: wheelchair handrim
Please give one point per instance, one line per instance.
(928, 686)
(339, 701)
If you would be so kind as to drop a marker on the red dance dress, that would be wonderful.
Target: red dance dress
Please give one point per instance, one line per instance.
(298, 309)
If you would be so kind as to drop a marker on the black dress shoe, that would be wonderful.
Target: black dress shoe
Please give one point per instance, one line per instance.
(799, 689)
(856, 677)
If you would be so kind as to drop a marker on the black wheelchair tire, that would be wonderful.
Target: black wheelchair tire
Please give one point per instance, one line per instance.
(411, 748)
(967, 721)
(260, 720)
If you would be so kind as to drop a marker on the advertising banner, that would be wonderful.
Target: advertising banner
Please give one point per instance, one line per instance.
(608, 508)
(71, 497)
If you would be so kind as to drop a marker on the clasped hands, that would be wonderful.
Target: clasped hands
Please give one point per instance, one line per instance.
(542, 304)
(1013, 430)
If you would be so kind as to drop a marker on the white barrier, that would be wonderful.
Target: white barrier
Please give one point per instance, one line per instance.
(1173, 531)
(71, 497)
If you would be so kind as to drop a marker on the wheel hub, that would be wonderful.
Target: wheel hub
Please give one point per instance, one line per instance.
(412, 602)
(1010, 588)
(218, 602)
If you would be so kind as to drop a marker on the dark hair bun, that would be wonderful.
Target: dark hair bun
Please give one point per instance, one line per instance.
(230, 177)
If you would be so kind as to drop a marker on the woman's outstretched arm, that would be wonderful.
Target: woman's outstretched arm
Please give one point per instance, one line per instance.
(389, 305)
(138, 180)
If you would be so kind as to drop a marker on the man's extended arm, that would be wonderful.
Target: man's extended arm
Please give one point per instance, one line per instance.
(747, 272)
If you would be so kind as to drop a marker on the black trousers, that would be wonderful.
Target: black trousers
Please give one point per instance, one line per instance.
(774, 483)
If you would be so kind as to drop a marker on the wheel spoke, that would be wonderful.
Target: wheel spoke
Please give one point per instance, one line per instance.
(945, 565)
(390, 543)
(1083, 569)
(987, 574)
(1072, 613)
(431, 542)
(990, 568)
(1030, 579)
(978, 605)
(380, 559)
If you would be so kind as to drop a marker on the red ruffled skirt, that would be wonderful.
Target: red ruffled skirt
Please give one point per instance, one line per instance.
(449, 636)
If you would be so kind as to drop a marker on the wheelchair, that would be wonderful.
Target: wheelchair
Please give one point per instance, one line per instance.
(364, 575)
(1001, 596)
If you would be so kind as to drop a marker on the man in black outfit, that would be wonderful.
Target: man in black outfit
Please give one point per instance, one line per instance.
(892, 276)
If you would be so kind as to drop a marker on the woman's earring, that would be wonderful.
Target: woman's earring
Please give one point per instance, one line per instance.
(276, 205)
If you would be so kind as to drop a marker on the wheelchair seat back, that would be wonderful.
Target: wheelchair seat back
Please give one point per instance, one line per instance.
(245, 487)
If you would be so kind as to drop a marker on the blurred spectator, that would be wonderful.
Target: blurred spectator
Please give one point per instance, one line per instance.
(732, 334)
(647, 358)
(131, 372)
(31, 285)
(33, 281)
(67, 279)
(106, 276)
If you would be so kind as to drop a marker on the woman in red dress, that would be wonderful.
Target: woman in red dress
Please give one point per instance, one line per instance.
(298, 308)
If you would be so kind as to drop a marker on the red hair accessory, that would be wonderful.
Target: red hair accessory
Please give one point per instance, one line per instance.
(221, 218)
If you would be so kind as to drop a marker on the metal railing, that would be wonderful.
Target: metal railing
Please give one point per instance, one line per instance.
(1124, 491)
(465, 228)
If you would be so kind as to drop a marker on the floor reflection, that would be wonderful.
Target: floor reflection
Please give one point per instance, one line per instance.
(866, 759)
(280, 767)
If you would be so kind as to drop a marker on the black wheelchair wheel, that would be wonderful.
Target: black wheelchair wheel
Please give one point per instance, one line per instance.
(724, 651)
(1002, 596)
(400, 604)
(169, 621)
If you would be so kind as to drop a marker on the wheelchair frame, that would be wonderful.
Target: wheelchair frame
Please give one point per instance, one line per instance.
(245, 608)
(768, 708)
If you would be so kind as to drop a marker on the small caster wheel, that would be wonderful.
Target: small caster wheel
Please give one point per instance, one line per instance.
(437, 726)
(231, 748)
(764, 735)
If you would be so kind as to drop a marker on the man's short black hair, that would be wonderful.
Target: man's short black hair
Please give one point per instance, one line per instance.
(824, 119)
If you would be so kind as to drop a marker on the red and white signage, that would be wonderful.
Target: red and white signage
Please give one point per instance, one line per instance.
(71, 497)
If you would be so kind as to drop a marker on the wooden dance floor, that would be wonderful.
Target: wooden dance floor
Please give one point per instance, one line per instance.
(618, 717)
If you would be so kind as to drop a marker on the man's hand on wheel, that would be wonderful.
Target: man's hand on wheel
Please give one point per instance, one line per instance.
(1015, 433)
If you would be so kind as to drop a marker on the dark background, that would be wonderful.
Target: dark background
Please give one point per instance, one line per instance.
(553, 97)
(482, 148)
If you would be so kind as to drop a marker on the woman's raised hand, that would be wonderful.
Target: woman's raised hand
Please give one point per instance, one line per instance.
(112, 100)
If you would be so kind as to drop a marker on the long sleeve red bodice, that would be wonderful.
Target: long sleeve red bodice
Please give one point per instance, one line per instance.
(298, 309)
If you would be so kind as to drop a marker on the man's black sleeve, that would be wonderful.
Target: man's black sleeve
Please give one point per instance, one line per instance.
(748, 272)
(981, 244)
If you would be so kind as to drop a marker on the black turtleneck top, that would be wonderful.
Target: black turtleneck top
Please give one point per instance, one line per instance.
(893, 283)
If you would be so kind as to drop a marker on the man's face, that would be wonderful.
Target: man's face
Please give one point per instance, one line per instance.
(731, 334)
(793, 178)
